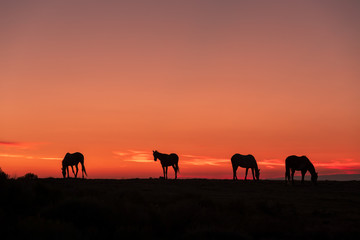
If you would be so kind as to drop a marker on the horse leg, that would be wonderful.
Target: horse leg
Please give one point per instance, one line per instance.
(252, 171)
(77, 170)
(164, 172)
(67, 170)
(234, 172)
(303, 172)
(83, 169)
(174, 166)
(246, 172)
(72, 168)
(292, 175)
(287, 175)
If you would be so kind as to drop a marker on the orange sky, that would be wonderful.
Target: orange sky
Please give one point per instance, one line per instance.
(204, 79)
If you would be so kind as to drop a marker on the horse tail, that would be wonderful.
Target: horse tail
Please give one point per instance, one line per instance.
(177, 163)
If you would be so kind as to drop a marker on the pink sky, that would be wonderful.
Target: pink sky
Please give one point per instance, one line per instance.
(204, 79)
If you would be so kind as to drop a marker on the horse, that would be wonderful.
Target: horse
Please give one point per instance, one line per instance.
(73, 159)
(303, 164)
(245, 161)
(167, 160)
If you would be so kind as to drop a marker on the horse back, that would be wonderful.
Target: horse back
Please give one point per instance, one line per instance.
(174, 157)
(297, 163)
(169, 159)
(73, 158)
(245, 161)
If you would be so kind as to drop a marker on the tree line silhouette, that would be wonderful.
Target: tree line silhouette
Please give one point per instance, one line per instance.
(292, 163)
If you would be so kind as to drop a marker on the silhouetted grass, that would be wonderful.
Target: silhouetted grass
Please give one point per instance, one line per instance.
(182, 209)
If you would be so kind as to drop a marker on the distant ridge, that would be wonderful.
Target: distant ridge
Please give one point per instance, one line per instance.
(341, 177)
(334, 177)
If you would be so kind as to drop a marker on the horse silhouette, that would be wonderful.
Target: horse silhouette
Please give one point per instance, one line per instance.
(73, 159)
(245, 161)
(167, 160)
(303, 164)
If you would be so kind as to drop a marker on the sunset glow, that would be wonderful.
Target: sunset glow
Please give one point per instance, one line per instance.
(115, 80)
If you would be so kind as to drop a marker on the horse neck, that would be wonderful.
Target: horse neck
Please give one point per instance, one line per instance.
(253, 164)
(65, 162)
(311, 168)
(256, 167)
(161, 155)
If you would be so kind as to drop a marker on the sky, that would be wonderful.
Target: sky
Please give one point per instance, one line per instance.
(205, 79)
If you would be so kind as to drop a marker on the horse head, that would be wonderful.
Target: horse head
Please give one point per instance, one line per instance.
(257, 174)
(314, 177)
(155, 154)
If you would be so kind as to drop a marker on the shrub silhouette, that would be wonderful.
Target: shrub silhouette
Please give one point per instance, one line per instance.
(3, 176)
(29, 176)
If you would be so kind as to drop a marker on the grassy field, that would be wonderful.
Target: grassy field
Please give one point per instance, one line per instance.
(182, 209)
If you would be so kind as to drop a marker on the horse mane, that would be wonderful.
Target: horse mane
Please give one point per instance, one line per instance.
(157, 153)
(256, 165)
(311, 167)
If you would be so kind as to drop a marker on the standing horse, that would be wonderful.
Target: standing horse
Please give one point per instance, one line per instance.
(303, 164)
(73, 159)
(245, 161)
(167, 160)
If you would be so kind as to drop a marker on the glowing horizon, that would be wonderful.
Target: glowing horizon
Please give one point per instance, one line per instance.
(203, 79)
(192, 166)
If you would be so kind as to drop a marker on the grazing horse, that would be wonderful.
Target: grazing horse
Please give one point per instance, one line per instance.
(303, 164)
(167, 160)
(245, 161)
(72, 159)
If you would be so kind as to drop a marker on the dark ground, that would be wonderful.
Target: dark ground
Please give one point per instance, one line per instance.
(182, 209)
